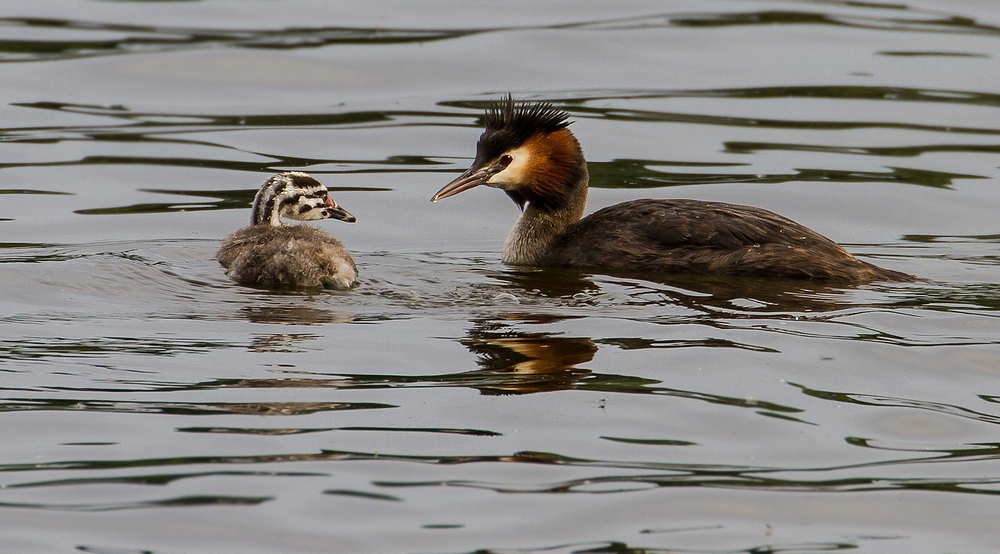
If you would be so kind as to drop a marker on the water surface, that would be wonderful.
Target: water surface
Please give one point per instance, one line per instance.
(450, 403)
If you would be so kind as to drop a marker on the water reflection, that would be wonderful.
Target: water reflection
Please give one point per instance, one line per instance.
(886, 401)
(651, 474)
(293, 314)
(628, 173)
(382, 429)
(289, 315)
(137, 377)
(54, 348)
(280, 342)
(591, 103)
(618, 547)
(705, 294)
(96, 38)
(171, 128)
(20, 252)
(182, 408)
(920, 177)
(522, 363)
(547, 282)
(510, 362)
(129, 39)
(181, 501)
(901, 18)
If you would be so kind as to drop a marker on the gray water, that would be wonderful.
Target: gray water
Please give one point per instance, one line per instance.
(451, 404)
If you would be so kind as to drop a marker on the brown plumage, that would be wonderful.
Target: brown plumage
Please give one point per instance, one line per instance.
(692, 236)
(528, 152)
(270, 254)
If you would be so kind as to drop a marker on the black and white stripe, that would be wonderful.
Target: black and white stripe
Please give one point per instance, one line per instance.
(292, 194)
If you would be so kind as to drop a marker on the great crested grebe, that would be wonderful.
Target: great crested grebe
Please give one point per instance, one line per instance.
(270, 254)
(528, 152)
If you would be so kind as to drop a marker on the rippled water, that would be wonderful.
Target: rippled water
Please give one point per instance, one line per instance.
(451, 404)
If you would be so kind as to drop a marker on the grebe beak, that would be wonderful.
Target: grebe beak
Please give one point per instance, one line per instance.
(474, 177)
(336, 212)
(342, 214)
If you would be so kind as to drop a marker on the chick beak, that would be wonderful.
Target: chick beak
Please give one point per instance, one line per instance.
(474, 177)
(336, 212)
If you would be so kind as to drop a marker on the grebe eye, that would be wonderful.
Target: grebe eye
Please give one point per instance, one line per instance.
(505, 160)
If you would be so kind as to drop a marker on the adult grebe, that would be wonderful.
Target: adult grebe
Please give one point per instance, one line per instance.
(270, 254)
(528, 152)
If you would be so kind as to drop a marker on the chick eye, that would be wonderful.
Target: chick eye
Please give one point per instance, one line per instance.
(505, 160)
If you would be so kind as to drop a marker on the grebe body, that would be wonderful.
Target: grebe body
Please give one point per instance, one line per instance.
(528, 152)
(271, 254)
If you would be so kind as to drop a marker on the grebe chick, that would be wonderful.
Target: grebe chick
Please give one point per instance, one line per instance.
(270, 254)
(528, 152)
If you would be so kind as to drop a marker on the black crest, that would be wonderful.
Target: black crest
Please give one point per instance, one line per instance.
(524, 119)
(509, 124)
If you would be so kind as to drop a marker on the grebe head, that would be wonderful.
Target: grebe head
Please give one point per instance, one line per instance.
(528, 152)
(297, 196)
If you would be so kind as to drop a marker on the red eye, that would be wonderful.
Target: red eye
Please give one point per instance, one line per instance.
(505, 160)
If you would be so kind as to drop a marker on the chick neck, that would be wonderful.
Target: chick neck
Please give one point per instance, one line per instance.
(272, 199)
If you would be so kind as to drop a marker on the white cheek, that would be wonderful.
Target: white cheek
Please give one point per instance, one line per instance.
(292, 212)
(514, 174)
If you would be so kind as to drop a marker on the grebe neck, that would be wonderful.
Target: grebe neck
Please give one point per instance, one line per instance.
(530, 239)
